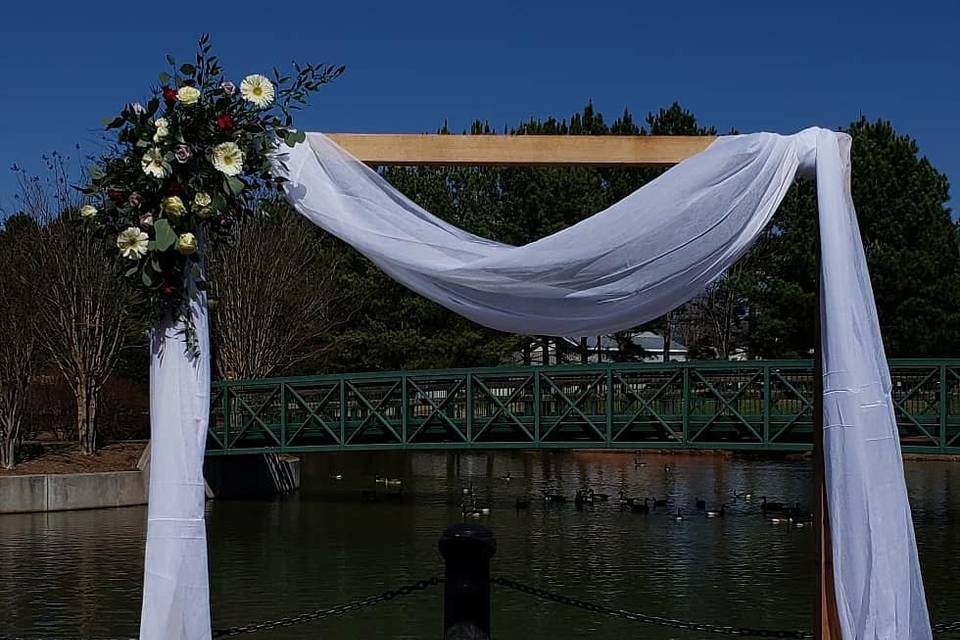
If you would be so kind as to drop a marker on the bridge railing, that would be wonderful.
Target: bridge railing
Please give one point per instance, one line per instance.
(762, 404)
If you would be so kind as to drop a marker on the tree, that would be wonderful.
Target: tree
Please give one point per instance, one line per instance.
(18, 348)
(911, 246)
(275, 297)
(83, 314)
(719, 315)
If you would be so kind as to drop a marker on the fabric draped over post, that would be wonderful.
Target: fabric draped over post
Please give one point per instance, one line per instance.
(176, 591)
(645, 255)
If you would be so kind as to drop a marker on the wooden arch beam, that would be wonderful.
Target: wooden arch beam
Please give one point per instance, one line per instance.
(520, 150)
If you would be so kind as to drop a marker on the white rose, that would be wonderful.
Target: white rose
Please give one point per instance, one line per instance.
(188, 95)
(187, 243)
(174, 206)
(202, 199)
(87, 211)
(162, 129)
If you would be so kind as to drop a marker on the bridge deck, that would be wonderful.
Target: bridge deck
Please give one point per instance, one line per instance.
(756, 405)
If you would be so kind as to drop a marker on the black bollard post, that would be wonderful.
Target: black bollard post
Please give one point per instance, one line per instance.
(467, 549)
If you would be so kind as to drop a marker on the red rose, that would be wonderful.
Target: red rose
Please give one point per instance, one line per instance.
(225, 121)
(170, 94)
(174, 188)
(168, 290)
(116, 195)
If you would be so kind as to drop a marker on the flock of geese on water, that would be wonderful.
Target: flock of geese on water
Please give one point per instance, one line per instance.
(470, 507)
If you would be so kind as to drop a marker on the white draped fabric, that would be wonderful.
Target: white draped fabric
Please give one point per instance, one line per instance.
(645, 255)
(176, 592)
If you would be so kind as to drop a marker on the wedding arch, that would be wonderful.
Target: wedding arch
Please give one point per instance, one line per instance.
(632, 262)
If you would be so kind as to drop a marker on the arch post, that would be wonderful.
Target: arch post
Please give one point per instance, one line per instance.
(827, 622)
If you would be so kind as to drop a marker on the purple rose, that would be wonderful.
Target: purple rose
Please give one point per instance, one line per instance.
(183, 153)
(146, 220)
(135, 200)
(228, 88)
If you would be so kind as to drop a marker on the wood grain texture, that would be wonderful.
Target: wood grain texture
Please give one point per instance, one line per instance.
(827, 622)
(508, 150)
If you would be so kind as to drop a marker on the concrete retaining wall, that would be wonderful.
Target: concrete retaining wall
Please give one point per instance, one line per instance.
(62, 492)
(232, 477)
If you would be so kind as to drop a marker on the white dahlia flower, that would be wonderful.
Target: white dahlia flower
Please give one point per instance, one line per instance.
(132, 243)
(155, 164)
(257, 89)
(227, 158)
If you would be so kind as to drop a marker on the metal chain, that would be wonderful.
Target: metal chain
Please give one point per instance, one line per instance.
(338, 610)
(420, 585)
(947, 627)
(644, 618)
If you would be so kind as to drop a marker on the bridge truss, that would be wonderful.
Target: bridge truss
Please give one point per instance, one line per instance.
(754, 405)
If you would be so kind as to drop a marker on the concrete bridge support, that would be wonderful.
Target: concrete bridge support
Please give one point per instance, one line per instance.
(257, 476)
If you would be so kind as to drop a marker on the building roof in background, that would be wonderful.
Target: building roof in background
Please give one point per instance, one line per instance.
(647, 340)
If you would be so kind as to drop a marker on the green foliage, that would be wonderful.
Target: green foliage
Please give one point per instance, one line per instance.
(911, 244)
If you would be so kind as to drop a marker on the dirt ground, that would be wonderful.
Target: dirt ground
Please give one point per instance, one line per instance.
(120, 456)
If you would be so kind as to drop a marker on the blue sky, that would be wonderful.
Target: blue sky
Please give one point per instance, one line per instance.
(778, 66)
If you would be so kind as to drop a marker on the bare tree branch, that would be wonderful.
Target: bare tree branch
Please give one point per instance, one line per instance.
(84, 308)
(274, 297)
(19, 345)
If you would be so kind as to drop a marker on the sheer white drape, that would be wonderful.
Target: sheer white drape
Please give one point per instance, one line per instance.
(645, 255)
(176, 592)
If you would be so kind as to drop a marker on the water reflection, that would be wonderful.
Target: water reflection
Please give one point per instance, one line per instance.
(78, 575)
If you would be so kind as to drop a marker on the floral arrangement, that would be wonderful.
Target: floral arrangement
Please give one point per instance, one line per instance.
(187, 166)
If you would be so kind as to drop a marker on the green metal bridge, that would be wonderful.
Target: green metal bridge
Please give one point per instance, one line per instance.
(755, 405)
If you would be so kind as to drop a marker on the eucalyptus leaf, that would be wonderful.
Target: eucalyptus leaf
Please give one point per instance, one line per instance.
(188, 69)
(164, 77)
(165, 236)
(146, 279)
(234, 185)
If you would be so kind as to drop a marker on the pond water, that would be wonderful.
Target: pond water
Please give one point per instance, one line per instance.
(78, 574)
